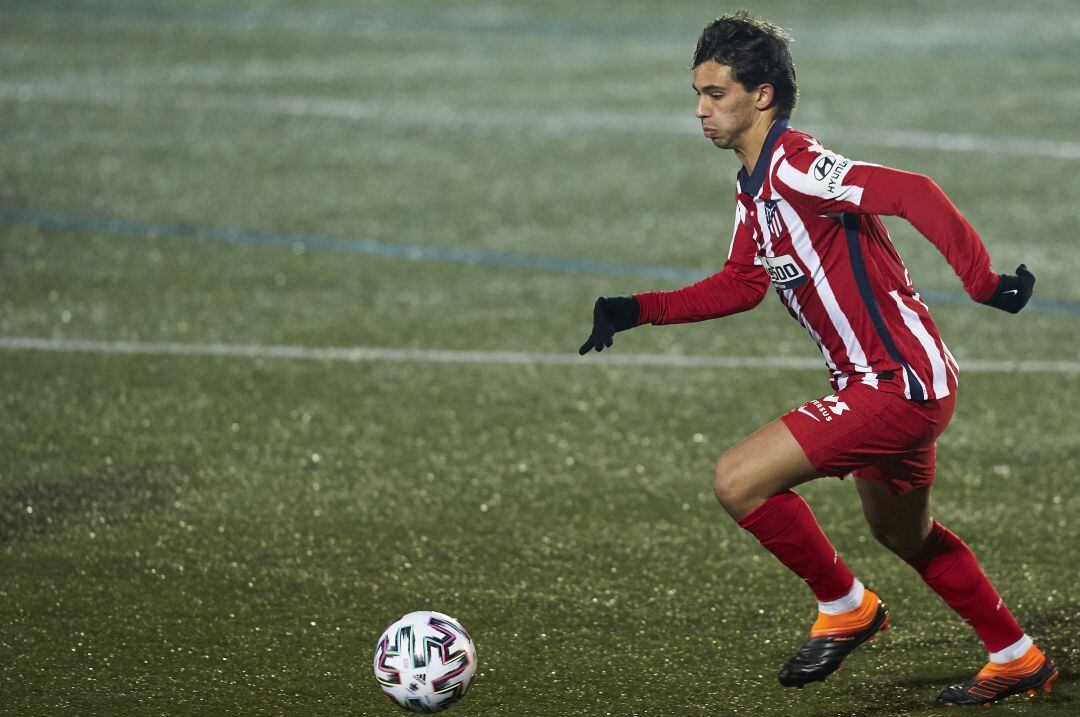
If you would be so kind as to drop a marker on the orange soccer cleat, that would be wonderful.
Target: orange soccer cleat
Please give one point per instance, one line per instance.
(832, 638)
(1031, 673)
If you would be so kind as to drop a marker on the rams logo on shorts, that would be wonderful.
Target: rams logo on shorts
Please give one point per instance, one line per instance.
(784, 271)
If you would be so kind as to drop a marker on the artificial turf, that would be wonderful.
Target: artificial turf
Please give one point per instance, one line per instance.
(227, 535)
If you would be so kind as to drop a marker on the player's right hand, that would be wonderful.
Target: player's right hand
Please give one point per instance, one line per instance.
(1013, 292)
(616, 313)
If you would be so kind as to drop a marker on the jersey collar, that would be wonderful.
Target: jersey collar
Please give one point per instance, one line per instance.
(752, 184)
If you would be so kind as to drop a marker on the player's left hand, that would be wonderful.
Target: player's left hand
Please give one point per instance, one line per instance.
(617, 313)
(1013, 292)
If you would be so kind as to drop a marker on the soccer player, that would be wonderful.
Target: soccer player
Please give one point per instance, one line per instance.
(806, 221)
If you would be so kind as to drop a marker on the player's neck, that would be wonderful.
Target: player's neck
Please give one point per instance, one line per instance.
(749, 148)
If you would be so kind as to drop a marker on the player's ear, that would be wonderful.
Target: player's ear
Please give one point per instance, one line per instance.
(764, 96)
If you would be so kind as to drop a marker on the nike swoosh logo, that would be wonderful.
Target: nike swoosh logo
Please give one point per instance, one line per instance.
(802, 409)
(1013, 291)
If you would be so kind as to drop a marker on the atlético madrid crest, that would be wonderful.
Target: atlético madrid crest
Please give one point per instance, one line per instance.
(772, 215)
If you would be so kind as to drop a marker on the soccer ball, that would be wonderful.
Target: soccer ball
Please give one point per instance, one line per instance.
(424, 661)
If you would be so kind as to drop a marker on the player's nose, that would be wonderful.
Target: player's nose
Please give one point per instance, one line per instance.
(701, 112)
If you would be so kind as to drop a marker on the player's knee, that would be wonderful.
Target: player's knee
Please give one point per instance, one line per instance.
(880, 534)
(904, 543)
(727, 487)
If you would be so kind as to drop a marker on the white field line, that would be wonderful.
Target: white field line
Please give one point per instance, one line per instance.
(545, 124)
(355, 354)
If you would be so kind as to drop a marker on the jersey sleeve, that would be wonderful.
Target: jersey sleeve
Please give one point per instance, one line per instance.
(739, 286)
(825, 183)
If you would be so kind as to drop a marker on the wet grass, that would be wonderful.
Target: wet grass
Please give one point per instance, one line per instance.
(192, 535)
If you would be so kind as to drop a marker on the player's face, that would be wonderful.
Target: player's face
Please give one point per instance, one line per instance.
(725, 108)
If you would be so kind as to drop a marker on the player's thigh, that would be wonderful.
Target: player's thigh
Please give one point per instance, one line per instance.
(901, 522)
(767, 462)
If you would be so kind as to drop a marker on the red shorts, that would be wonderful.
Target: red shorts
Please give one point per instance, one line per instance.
(878, 435)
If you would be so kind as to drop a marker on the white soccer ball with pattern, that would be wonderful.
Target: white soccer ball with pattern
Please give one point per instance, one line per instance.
(424, 661)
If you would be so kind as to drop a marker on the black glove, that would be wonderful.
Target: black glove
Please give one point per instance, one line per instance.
(618, 313)
(1013, 292)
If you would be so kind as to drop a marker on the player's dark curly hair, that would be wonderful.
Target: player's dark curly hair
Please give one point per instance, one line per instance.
(757, 53)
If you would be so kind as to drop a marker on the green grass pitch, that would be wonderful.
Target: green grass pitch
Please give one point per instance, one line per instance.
(214, 533)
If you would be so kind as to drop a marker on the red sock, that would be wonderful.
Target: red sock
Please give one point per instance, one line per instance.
(786, 526)
(949, 567)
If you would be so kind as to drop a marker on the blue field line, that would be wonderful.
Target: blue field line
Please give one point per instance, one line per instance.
(304, 242)
(483, 257)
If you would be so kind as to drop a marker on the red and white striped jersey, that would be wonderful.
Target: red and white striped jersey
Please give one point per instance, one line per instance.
(806, 220)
